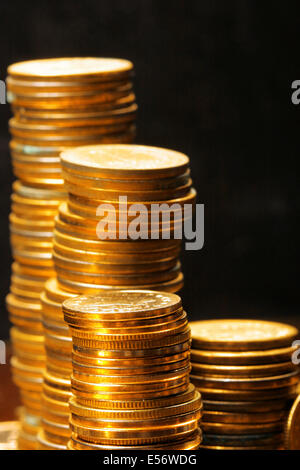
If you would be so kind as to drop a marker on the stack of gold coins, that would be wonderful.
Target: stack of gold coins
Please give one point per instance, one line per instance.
(55, 431)
(244, 371)
(130, 379)
(57, 104)
(92, 255)
(31, 231)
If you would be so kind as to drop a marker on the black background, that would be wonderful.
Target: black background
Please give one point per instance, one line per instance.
(213, 79)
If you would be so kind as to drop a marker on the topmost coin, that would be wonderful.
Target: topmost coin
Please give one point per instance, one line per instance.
(241, 335)
(81, 68)
(123, 304)
(130, 161)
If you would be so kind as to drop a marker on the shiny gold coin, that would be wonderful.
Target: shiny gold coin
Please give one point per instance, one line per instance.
(9, 431)
(132, 195)
(88, 207)
(260, 383)
(91, 393)
(134, 354)
(122, 436)
(215, 394)
(242, 418)
(231, 372)
(44, 444)
(173, 286)
(292, 427)
(85, 68)
(191, 443)
(243, 358)
(113, 258)
(42, 272)
(26, 441)
(140, 403)
(127, 414)
(132, 428)
(240, 429)
(130, 303)
(253, 407)
(110, 184)
(115, 279)
(239, 335)
(129, 161)
(108, 268)
(54, 292)
(93, 343)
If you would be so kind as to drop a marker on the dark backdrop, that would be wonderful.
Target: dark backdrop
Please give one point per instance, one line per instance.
(213, 79)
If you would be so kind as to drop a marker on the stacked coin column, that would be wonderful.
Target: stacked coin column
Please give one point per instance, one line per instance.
(130, 379)
(245, 373)
(57, 104)
(89, 256)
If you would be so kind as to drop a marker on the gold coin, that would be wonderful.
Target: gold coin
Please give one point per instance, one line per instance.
(215, 394)
(243, 418)
(140, 403)
(134, 354)
(124, 436)
(260, 383)
(239, 335)
(54, 292)
(133, 427)
(130, 279)
(173, 285)
(84, 68)
(126, 113)
(130, 161)
(114, 258)
(107, 268)
(44, 444)
(254, 407)
(292, 427)
(93, 393)
(110, 184)
(243, 358)
(128, 414)
(130, 303)
(132, 195)
(230, 372)
(191, 443)
(241, 429)
(9, 431)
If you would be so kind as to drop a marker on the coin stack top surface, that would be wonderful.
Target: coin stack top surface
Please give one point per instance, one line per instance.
(56, 104)
(130, 379)
(245, 374)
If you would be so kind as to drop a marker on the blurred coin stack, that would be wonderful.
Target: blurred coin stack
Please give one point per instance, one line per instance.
(89, 256)
(245, 374)
(57, 104)
(130, 379)
(55, 431)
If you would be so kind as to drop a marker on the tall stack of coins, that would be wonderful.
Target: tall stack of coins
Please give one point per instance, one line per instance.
(89, 256)
(130, 379)
(57, 104)
(245, 374)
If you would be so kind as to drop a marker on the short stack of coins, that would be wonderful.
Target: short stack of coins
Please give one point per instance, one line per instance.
(245, 374)
(130, 379)
(89, 257)
(55, 431)
(57, 104)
